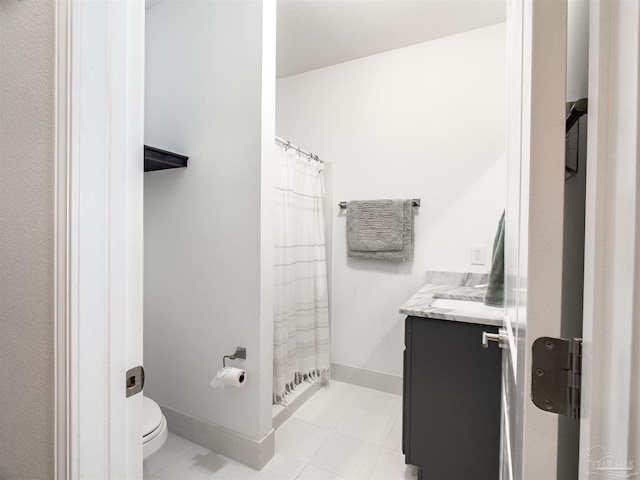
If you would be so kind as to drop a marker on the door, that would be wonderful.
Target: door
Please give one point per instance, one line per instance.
(610, 399)
(99, 170)
(534, 226)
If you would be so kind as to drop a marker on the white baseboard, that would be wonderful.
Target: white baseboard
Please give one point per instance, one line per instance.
(367, 378)
(252, 453)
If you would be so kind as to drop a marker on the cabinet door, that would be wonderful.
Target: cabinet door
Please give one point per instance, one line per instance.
(454, 401)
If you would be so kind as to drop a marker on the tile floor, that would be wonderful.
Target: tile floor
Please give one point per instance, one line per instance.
(343, 432)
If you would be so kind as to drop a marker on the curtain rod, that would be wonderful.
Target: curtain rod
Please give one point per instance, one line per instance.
(288, 144)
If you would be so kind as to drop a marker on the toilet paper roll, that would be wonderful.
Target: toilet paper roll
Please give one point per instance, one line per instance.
(232, 376)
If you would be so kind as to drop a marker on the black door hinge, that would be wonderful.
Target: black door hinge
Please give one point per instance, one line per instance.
(556, 373)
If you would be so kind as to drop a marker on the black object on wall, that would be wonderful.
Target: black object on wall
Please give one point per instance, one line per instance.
(157, 159)
(575, 111)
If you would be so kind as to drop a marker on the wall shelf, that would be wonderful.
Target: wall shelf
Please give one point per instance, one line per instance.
(157, 159)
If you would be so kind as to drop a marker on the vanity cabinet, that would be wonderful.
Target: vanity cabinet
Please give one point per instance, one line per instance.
(451, 411)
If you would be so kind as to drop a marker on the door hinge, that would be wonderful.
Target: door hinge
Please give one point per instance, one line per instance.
(135, 380)
(556, 371)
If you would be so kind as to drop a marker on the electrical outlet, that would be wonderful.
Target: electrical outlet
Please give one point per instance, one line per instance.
(478, 255)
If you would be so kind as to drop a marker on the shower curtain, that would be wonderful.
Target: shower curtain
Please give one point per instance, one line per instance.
(301, 344)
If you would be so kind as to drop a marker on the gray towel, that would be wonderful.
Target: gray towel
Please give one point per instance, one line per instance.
(495, 289)
(375, 225)
(380, 229)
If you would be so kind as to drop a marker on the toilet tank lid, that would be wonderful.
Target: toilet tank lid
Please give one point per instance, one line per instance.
(151, 416)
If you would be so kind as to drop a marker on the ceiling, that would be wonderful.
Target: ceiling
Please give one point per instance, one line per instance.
(317, 33)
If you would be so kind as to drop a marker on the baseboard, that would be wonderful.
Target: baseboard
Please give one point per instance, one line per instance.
(294, 402)
(252, 453)
(367, 378)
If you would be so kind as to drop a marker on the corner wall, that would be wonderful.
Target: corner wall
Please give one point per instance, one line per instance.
(27, 60)
(205, 264)
(426, 121)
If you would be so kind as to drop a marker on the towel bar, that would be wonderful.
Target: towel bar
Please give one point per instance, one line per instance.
(343, 205)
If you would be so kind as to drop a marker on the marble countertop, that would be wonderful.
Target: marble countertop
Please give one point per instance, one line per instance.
(456, 286)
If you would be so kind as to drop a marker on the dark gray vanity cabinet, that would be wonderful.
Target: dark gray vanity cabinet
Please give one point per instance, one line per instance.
(451, 412)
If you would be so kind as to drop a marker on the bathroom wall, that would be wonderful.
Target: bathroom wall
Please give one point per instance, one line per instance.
(27, 55)
(429, 122)
(207, 258)
(577, 49)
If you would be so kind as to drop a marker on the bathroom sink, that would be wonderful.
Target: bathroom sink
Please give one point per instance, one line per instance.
(464, 305)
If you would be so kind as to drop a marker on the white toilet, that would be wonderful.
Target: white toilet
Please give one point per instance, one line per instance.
(154, 427)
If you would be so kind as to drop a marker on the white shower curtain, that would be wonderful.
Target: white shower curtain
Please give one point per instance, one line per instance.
(301, 344)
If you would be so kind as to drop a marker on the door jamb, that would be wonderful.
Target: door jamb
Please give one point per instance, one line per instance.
(98, 100)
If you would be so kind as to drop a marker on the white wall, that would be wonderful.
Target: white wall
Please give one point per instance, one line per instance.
(429, 122)
(27, 38)
(577, 49)
(203, 225)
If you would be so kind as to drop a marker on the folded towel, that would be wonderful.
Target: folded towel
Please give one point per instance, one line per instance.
(495, 288)
(375, 225)
(380, 229)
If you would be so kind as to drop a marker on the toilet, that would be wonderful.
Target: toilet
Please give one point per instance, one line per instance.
(154, 427)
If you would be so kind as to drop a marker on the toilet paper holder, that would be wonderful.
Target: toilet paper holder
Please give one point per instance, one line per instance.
(241, 352)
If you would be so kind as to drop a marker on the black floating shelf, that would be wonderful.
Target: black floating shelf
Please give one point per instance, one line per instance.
(156, 159)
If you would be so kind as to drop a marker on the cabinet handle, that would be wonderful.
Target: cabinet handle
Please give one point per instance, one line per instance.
(501, 337)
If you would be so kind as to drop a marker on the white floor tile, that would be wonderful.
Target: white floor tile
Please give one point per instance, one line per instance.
(233, 472)
(154, 464)
(321, 412)
(299, 439)
(342, 432)
(345, 393)
(394, 440)
(347, 456)
(175, 472)
(366, 425)
(314, 473)
(193, 456)
(280, 467)
(384, 403)
(207, 463)
(390, 466)
(175, 447)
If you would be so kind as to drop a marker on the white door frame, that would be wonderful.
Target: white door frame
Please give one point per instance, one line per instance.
(610, 420)
(534, 225)
(98, 222)
(98, 231)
